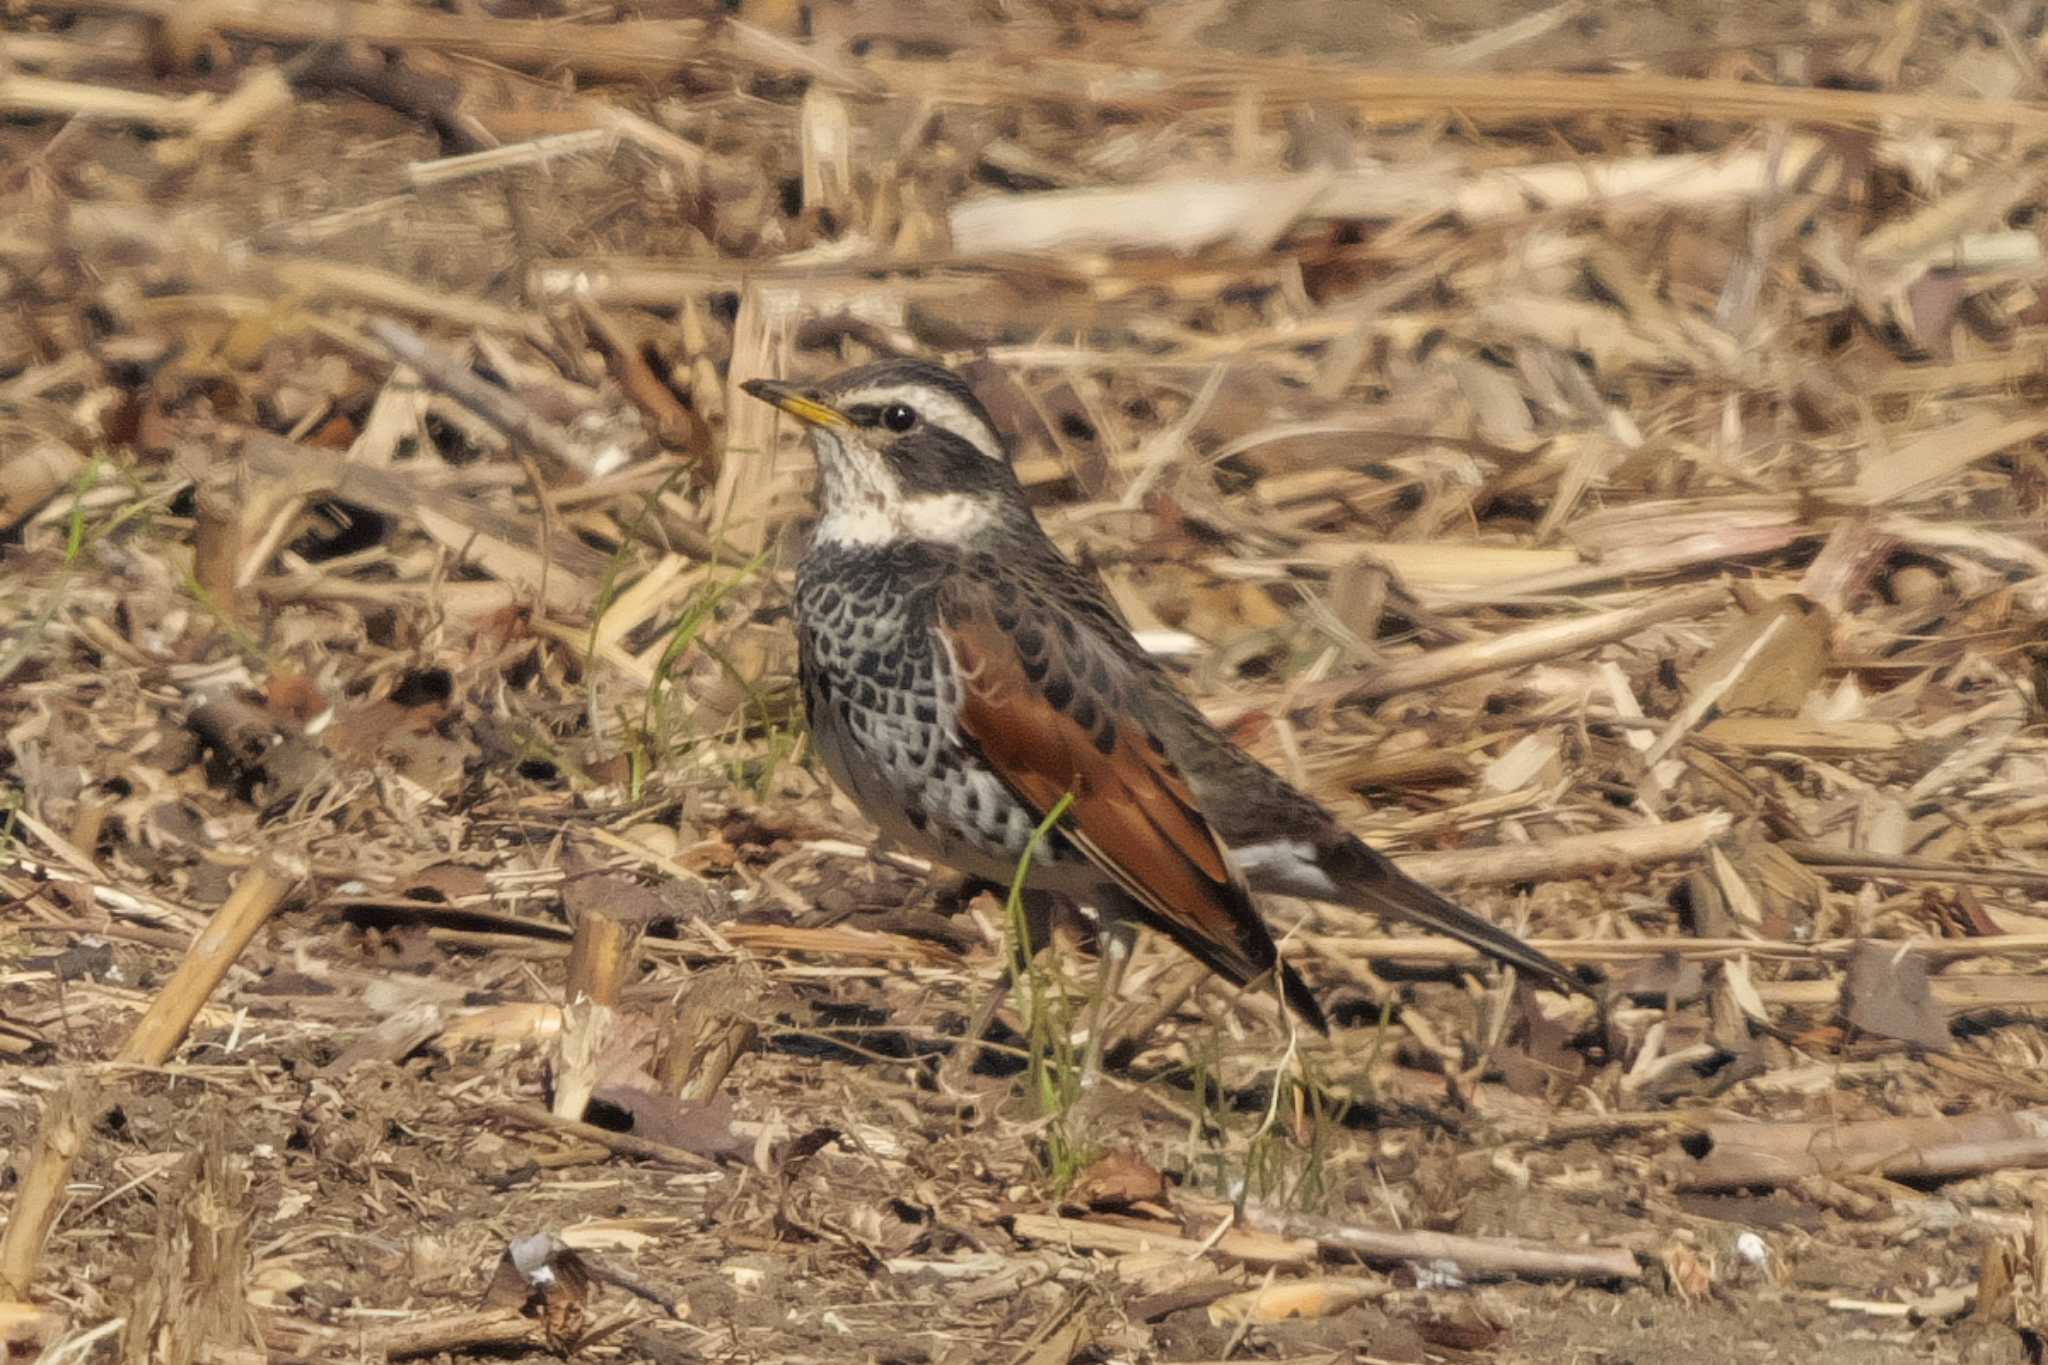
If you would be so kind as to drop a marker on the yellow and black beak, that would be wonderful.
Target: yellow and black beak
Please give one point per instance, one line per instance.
(797, 403)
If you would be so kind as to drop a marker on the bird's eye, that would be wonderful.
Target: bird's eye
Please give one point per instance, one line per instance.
(899, 417)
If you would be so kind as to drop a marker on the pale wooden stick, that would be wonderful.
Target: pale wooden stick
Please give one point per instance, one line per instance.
(71, 99)
(1742, 1154)
(453, 1331)
(1474, 1255)
(381, 289)
(1990, 990)
(262, 97)
(1571, 855)
(1393, 96)
(501, 408)
(1188, 214)
(1852, 863)
(1940, 455)
(517, 156)
(2003, 990)
(633, 50)
(1122, 1239)
(1520, 648)
(624, 1144)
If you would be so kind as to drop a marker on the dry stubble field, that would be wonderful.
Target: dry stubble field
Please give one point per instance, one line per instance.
(1597, 448)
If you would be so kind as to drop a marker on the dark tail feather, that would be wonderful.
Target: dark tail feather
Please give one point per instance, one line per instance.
(1373, 883)
(1240, 968)
(1302, 1000)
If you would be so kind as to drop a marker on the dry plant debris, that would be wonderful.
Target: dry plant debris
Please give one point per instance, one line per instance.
(1599, 448)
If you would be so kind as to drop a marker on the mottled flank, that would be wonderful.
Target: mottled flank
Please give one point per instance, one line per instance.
(883, 698)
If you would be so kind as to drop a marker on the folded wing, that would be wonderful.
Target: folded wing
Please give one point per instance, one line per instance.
(1043, 706)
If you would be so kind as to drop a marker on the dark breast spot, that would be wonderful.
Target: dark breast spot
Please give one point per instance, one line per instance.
(1105, 738)
(1059, 693)
(1084, 713)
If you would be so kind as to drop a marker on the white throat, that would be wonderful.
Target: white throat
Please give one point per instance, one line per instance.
(945, 518)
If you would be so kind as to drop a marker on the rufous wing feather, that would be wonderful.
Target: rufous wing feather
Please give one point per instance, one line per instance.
(1045, 716)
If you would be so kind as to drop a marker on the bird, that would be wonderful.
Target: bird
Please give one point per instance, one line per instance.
(961, 677)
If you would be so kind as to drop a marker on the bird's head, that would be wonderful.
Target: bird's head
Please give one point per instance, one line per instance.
(905, 452)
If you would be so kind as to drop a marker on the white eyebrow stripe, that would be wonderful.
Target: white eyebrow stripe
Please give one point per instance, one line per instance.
(935, 406)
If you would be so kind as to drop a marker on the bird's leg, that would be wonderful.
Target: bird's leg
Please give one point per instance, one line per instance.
(1038, 910)
(1114, 942)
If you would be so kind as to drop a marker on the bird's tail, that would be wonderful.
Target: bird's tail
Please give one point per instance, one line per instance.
(1301, 1000)
(1370, 881)
(1251, 959)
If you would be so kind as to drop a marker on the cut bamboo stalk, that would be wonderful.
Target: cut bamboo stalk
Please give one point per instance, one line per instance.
(217, 541)
(69, 1115)
(587, 1032)
(601, 953)
(712, 1029)
(213, 952)
(1520, 648)
(37, 472)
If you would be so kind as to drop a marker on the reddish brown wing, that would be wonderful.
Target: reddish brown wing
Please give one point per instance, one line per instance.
(1046, 716)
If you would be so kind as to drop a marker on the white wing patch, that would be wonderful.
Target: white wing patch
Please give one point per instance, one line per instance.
(1285, 867)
